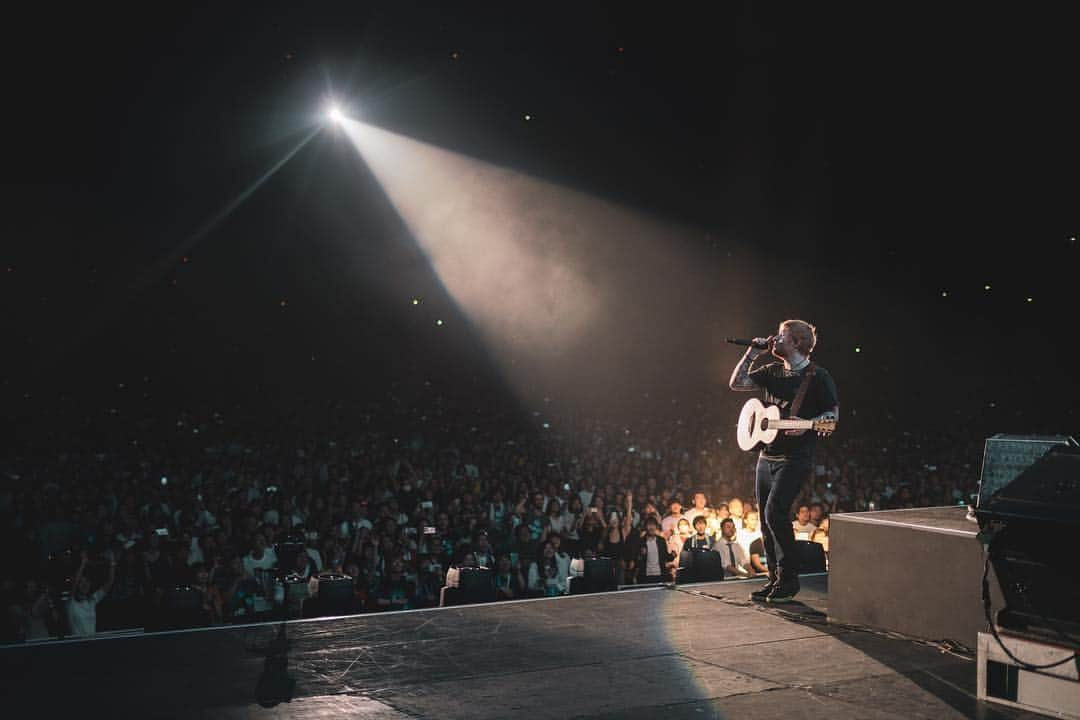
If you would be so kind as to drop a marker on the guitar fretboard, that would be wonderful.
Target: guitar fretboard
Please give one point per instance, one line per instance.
(790, 424)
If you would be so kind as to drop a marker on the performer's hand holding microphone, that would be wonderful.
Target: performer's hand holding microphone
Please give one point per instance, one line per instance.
(758, 343)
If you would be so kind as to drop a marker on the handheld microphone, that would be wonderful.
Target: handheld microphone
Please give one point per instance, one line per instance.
(747, 343)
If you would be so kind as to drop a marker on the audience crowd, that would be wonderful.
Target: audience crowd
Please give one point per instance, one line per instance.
(207, 518)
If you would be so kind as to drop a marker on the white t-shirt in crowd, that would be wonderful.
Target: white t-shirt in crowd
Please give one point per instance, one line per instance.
(82, 614)
(803, 532)
(744, 537)
(266, 562)
(652, 558)
(560, 523)
(692, 513)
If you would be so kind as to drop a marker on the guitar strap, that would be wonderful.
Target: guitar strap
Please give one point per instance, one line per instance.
(797, 402)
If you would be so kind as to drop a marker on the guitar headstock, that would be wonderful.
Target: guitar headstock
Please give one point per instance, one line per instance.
(825, 427)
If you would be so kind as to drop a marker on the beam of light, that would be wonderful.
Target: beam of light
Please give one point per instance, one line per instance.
(567, 290)
(335, 115)
(154, 274)
(184, 247)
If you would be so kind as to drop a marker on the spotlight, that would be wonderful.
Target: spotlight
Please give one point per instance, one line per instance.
(335, 115)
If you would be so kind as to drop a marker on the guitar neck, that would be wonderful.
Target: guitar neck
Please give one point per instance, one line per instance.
(784, 424)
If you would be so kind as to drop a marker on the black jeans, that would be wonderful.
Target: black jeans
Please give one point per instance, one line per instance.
(778, 483)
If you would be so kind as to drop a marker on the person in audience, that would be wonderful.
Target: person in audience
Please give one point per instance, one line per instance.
(700, 539)
(535, 518)
(303, 566)
(522, 548)
(562, 558)
(670, 523)
(211, 602)
(35, 616)
(801, 525)
(701, 504)
(712, 522)
(429, 581)
(749, 532)
(736, 511)
(82, 606)
(226, 576)
(591, 534)
(261, 557)
(128, 597)
(649, 508)
(574, 510)
(395, 592)
(545, 577)
(758, 561)
(821, 535)
(656, 562)
(613, 544)
(680, 536)
(482, 550)
(557, 520)
(735, 559)
(509, 584)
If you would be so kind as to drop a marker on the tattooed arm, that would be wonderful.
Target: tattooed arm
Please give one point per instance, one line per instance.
(740, 377)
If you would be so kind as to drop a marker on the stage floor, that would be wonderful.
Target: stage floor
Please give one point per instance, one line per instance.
(696, 651)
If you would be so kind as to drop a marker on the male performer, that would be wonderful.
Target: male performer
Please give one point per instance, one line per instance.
(785, 464)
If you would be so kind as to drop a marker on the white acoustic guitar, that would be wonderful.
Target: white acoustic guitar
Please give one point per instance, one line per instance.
(760, 423)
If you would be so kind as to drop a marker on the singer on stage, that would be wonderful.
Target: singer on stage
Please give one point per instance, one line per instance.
(801, 389)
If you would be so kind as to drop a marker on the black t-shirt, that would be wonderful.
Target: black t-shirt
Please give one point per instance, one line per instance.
(781, 386)
(757, 547)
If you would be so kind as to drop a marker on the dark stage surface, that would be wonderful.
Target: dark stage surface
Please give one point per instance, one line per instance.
(693, 652)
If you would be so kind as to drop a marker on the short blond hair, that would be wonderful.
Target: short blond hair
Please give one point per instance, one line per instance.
(804, 333)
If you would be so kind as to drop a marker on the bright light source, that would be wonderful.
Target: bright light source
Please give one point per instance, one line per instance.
(335, 114)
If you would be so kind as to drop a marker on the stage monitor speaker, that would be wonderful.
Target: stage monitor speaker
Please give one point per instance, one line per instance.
(1005, 457)
(336, 595)
(1031, 525)
(182, 598)
(181, 607)
(476, 585)
(599, 575)
(286, 555)
(811, 556)
(296, 588)
(700, 565)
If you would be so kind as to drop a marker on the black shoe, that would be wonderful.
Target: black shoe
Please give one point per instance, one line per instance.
(785, 590)
(762, 593)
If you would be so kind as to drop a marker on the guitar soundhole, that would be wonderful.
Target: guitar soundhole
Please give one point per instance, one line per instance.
(764, 424)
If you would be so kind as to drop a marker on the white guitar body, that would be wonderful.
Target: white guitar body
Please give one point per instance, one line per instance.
(760, 423)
